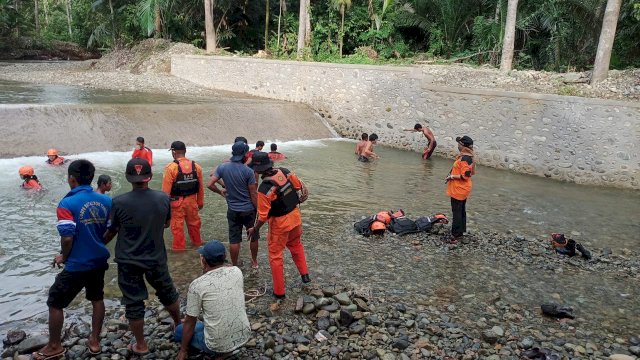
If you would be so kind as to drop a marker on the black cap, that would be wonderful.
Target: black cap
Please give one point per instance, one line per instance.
(260, 161)
(465, 140)
(138, 170)
(178, 145)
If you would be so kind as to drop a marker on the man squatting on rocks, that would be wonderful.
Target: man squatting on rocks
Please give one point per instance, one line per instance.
(139, 218)
(184, 183)
(82, 221)
(278, 201)
(431, 146)
(241, 194)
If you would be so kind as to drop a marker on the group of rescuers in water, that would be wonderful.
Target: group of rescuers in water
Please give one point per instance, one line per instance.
(89, 219)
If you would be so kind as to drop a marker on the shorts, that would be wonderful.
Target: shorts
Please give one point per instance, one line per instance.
(426, 155)
(134, 290)
(238, 219)
(69, 284)
(363, 158)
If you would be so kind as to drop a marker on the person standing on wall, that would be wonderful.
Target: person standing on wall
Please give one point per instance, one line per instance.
(431, 146)
(240, 192)
(184, 183)
(278, 197)
(459, 186)
(141, 151)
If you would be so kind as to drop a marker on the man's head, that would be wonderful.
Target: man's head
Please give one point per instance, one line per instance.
(364, 136)
(417, 127)
(80, 172)
(178, 149)
(52, 154)
(260, 162)
(274, 147)
(259, 145)
(104, 182)
(240, 138)
(140, 142)
(212, 254)
(373, 138)
(464, 141)
(138, 171)
(238, 151)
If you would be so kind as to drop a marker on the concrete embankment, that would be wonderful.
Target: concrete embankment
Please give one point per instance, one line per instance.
(582, 140)
(32, 129)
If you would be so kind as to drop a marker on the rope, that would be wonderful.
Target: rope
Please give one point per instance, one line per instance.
(253, 294)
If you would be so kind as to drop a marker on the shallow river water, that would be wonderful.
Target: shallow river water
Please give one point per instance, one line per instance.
(342, 191)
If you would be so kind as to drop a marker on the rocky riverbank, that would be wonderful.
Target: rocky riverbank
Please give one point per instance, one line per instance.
(354, 321)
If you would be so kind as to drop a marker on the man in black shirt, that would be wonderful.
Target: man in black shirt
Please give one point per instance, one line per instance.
(139, 218)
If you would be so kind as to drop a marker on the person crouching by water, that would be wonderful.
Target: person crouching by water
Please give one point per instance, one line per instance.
(278, 201)
(363, 141)
(30, 180)
(367, 152)
(104, 184)
(82, 220)
(568, 247)
(139, 218)
(459, 187)
(217, 295)
(53, 158)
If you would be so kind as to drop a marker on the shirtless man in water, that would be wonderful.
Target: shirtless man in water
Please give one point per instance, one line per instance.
(367, 151)
(363, 141)
(426, 154)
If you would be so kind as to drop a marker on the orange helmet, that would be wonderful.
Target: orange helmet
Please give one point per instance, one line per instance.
(378, 226)
(52, 152)
(383, 217)
(25, 171)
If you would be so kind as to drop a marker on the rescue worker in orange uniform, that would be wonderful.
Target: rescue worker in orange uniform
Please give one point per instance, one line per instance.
(30, 179)
(53, 158)
(459, 187)
(141, 151)
(278, 197)
(184, 183)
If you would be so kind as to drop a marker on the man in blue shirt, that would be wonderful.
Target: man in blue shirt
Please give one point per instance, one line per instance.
(241, 192)
(82, 222)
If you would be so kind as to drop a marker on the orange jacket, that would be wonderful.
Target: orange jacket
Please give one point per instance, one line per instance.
(463, 166)
(171, 173)
(281, 223)
(31, 184)
(145, 153)
(57, 161)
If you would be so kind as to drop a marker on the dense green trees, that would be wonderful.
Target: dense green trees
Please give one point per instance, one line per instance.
(554, 35)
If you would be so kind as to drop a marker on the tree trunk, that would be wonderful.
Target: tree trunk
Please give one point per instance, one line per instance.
(69, 19)
(279, 17)
(266, 25)
(113, 23)
(307, 32)
(37, 16)
(46, 12)
(210, 32)
(341, 28)
(158, 19)
(302, 27)
(607, 37)
(509, 36)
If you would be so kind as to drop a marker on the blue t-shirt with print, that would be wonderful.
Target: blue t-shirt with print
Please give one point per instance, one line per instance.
(83, 215)
(237, 177)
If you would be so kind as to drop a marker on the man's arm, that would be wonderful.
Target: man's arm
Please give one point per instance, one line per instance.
(264, 205)
(200, 198)
(253, 193)
(169, 177)
(67, 229)
(188, 327)
(368, 152)
(112, 228)
(213, 187)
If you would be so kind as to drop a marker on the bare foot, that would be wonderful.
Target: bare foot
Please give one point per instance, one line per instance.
(94, 345)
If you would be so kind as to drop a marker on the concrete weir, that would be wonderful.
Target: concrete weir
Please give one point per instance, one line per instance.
(582, 140)
(32, 129)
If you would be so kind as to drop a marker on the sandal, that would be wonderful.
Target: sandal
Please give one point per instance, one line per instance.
(42, 356)
(130, 347)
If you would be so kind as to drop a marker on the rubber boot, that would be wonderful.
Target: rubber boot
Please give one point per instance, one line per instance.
(585, 253)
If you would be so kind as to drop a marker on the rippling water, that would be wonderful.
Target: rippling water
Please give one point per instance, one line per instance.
(343, 190)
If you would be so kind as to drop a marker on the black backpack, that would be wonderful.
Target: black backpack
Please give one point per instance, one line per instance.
(363, 227)
(403, 225)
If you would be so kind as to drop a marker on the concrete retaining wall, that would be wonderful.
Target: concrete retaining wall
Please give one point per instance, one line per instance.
(587, 141)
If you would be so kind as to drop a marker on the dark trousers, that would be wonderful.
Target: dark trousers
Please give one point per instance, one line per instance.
(459, 210)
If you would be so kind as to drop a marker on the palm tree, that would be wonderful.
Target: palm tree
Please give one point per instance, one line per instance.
(509, 36)
(605, 45)
(303, 25)
(342, 6)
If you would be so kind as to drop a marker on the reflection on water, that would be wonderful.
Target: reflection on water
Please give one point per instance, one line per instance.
(343, 190)
(12, 92)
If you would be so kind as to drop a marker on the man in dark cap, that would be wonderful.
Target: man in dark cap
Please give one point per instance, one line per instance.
(278, 197)
(217, 295)
(184, 183)
(241, 194)
(459, 186)
(139, 218)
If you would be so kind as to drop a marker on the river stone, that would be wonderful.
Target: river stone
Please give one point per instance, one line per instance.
(621, 357)
(331, 307)
(489, 336)
(299, 304)
(362, 305)
(309, 299)
(31, 344)
(269, 343)
(329, 291)
(498, 330)
(401, 307)
(527, 343)
(345, 318)
(14, 337)
(319, 303)
(308, 308)
(635, 350)
(373, 320)
(356, 328)
(343, 298)
(322, 313)
(400, 343)
(323, 323)
(121, 325)
(257, 326)
(278, 348)
(334, 351)
(634, 341)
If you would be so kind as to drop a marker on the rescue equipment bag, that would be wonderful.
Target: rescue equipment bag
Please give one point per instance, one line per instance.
(425, 223)
(287, 196)
(185, 184)
(403, 225)
(363, 227)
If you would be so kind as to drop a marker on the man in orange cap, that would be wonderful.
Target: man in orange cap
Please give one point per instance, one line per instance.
(278, 199)
(184, 183)
(53, 158)
(30, 179)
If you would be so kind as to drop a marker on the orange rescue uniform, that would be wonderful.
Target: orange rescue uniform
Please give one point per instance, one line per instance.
(184, 208)
(31, 184)
(284, 232)
(460, 189)
(144, 153)
(59, 160)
